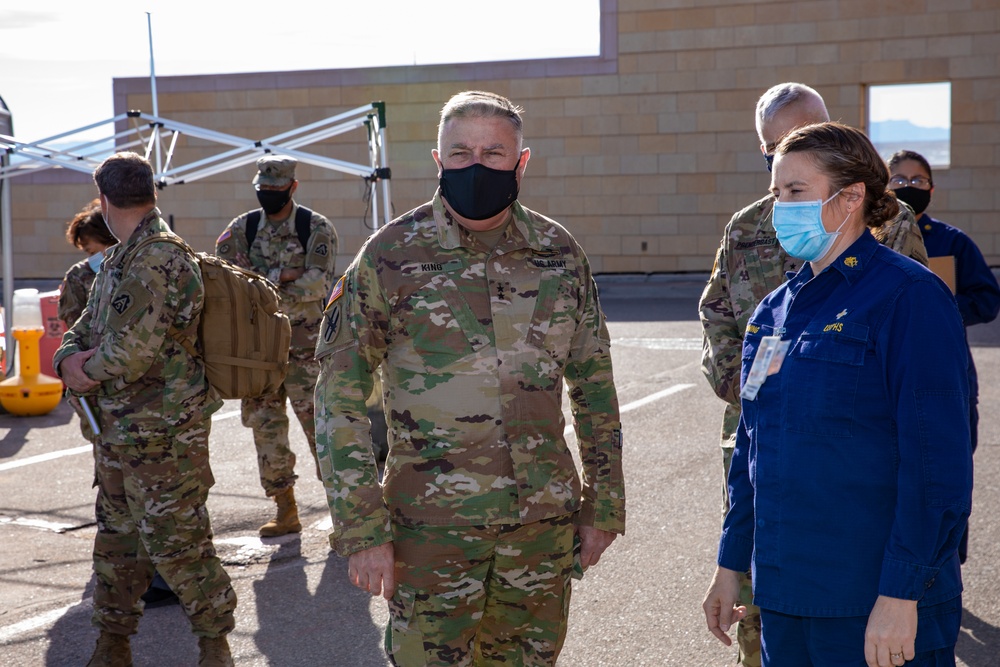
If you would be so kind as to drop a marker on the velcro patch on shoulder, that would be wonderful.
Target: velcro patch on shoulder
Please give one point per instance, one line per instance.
(320, 248)
(338, 291)
(130, 300)
(335, 329)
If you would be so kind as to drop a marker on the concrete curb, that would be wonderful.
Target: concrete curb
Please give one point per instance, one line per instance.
(651, 285)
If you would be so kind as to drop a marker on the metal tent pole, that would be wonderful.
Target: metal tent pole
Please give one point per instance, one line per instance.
(152, 88)
(7, 236)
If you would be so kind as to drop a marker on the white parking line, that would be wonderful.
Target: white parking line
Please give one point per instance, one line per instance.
(10, 631)
(41, 458)
(39, 524)
(628, 407)
(35, 622)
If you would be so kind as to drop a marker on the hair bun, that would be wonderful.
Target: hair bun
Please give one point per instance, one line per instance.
(884, 209)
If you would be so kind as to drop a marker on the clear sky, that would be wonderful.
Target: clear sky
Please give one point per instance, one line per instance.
(925, 104)
(58, 57)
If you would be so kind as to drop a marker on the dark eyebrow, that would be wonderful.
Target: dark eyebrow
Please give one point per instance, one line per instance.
(789, 185)
(485, 148)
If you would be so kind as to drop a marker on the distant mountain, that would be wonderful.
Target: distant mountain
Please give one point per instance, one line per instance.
(904, 130)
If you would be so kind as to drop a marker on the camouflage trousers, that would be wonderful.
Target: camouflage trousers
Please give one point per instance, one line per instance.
(267, 416)
(151, 513)
(480, 595)
(748, 628)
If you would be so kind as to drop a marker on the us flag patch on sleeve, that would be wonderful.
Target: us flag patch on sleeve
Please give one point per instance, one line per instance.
(338, 291)
(224, 235)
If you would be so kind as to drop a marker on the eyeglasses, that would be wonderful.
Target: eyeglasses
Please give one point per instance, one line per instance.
(921, 182)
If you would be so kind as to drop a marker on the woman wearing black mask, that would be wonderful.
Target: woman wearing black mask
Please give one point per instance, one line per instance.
(975, 286)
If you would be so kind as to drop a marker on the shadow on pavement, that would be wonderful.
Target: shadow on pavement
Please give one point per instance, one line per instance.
(15, 430)
(72, 637)
(332, 626)
(977, 641)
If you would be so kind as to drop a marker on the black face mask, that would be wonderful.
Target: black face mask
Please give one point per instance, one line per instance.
(769, 159)
(477, 192)
(273, 201)
(917, 199)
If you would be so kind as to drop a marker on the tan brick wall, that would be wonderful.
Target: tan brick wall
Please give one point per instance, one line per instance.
(643, 152)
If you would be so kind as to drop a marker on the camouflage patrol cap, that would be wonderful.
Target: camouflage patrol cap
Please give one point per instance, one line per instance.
(275, 170)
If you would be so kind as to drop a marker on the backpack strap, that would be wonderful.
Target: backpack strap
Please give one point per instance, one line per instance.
(253, 221)
(187, 342)
(303, 220)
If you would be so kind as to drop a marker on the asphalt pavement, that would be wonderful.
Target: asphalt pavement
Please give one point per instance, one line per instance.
(641, 605)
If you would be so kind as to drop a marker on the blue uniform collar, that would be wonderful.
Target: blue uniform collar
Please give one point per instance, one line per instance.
(927, 224)
(851, 263)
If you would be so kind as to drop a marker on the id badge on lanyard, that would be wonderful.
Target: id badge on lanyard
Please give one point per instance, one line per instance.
(766, 362)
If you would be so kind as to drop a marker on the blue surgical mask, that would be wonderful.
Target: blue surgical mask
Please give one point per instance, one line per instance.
(95, 261)
(800, 230)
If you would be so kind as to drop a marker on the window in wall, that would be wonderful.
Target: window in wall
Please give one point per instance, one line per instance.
(914, 116)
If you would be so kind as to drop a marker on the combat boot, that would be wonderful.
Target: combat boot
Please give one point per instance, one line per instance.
(214, 652)
(111, 651)
(287, 520)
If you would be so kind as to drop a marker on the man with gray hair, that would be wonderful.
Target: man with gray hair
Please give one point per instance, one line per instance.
(750, 264)
(295, 249)
(477, 310)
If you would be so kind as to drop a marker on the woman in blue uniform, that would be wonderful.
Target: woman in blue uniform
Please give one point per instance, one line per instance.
(976, 289)
(851, 480)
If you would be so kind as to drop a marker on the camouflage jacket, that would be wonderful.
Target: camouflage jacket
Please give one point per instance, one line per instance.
(474, 346)
(74, 290)
(276, 247)
(150, 385)
(749, 265)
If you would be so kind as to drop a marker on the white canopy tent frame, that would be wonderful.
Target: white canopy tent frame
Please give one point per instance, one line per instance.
(147, 136)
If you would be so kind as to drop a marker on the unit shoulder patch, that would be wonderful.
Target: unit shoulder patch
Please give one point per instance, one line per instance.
(131, 300)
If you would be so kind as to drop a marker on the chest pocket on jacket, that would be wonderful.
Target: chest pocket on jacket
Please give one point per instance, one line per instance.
(824, 367)
(556, 313)
(439, 324)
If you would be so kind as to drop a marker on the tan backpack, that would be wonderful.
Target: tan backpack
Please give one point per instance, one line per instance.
(243, 333)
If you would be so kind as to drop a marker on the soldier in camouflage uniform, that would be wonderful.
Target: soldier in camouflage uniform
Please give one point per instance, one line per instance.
(749, 265)
(154, 410)
(303, 274)
(476, 309)
(87, 232)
